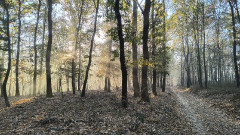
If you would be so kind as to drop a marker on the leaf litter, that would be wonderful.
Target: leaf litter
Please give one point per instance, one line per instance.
(98, 113)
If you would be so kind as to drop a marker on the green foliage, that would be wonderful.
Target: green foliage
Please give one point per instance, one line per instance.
(115, 54)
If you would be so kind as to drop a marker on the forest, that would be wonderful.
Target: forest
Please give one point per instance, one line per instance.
(120, 67)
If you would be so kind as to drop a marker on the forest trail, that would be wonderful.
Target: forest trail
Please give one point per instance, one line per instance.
(204, 118)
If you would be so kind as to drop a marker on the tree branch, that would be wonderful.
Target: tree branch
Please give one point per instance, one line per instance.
(139, 5)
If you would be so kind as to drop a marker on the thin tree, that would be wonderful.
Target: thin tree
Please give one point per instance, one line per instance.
(18, 47)
(77, 42)
(35, 51)
(196, 38)
(1, 72)
(136, 87)
(4, 85)
(154, 86)
(164, 49)
(90, 52)
(43, 44)
(48, 53)
(204, 49)
(122, 55)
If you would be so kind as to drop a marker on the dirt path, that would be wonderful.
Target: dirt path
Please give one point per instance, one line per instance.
(203, 118)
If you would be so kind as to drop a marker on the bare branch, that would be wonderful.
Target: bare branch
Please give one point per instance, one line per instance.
(139, 6)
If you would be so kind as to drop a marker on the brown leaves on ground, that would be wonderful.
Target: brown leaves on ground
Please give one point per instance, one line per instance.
(226, 97)
(98, 113)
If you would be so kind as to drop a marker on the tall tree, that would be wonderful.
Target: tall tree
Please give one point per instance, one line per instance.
(164, 48)
(75, 51)
(43, 45)
(90, 52)
(4, 85)
(204, 47)
(234, 44)
(43, 40)
(18, 47)
(196, 38)
(48, 53)
(35, 50)
(135, 52)
(122, 54)
(154, 86)
(145, 95)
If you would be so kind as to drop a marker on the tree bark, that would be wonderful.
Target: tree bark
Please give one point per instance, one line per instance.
(18, 48)
(4, 85)
(204, 49)
(234, 45)
(188, 65)
(196, 38)
(145, 95)
(122, 55)
(48, 53)
(43, 44)
(154, 86)
(136, 87)
(90, 52)
(1, 73)
(165, 52)
(73, 75)
(105, 86)
(35, 51)
(42, 47)
(79, 49)
(67, 80)
(109, 67)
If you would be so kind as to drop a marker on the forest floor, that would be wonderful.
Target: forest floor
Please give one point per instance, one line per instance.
(177, 111)
(225, 97)
(98, 113)
(203, 114)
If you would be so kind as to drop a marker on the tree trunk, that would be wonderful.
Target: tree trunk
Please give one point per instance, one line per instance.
(234, 45)
(136, 87)
(42, 47)
(145, 95)
(79, 49)
(165, 52)
(4, 85)
(60, 84)
(90, 52)
(18, 47)
(35, 52)
(154, 86)
(1, 72)
(122, 55)
(73, 76)
(109, 67)
(109, 85)
(196, 38)
(57, 85)
(43, 44)
(48, 53)
(182, 71)
(188, 65)
(204, 49)
(67, 80)
(105, 86)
